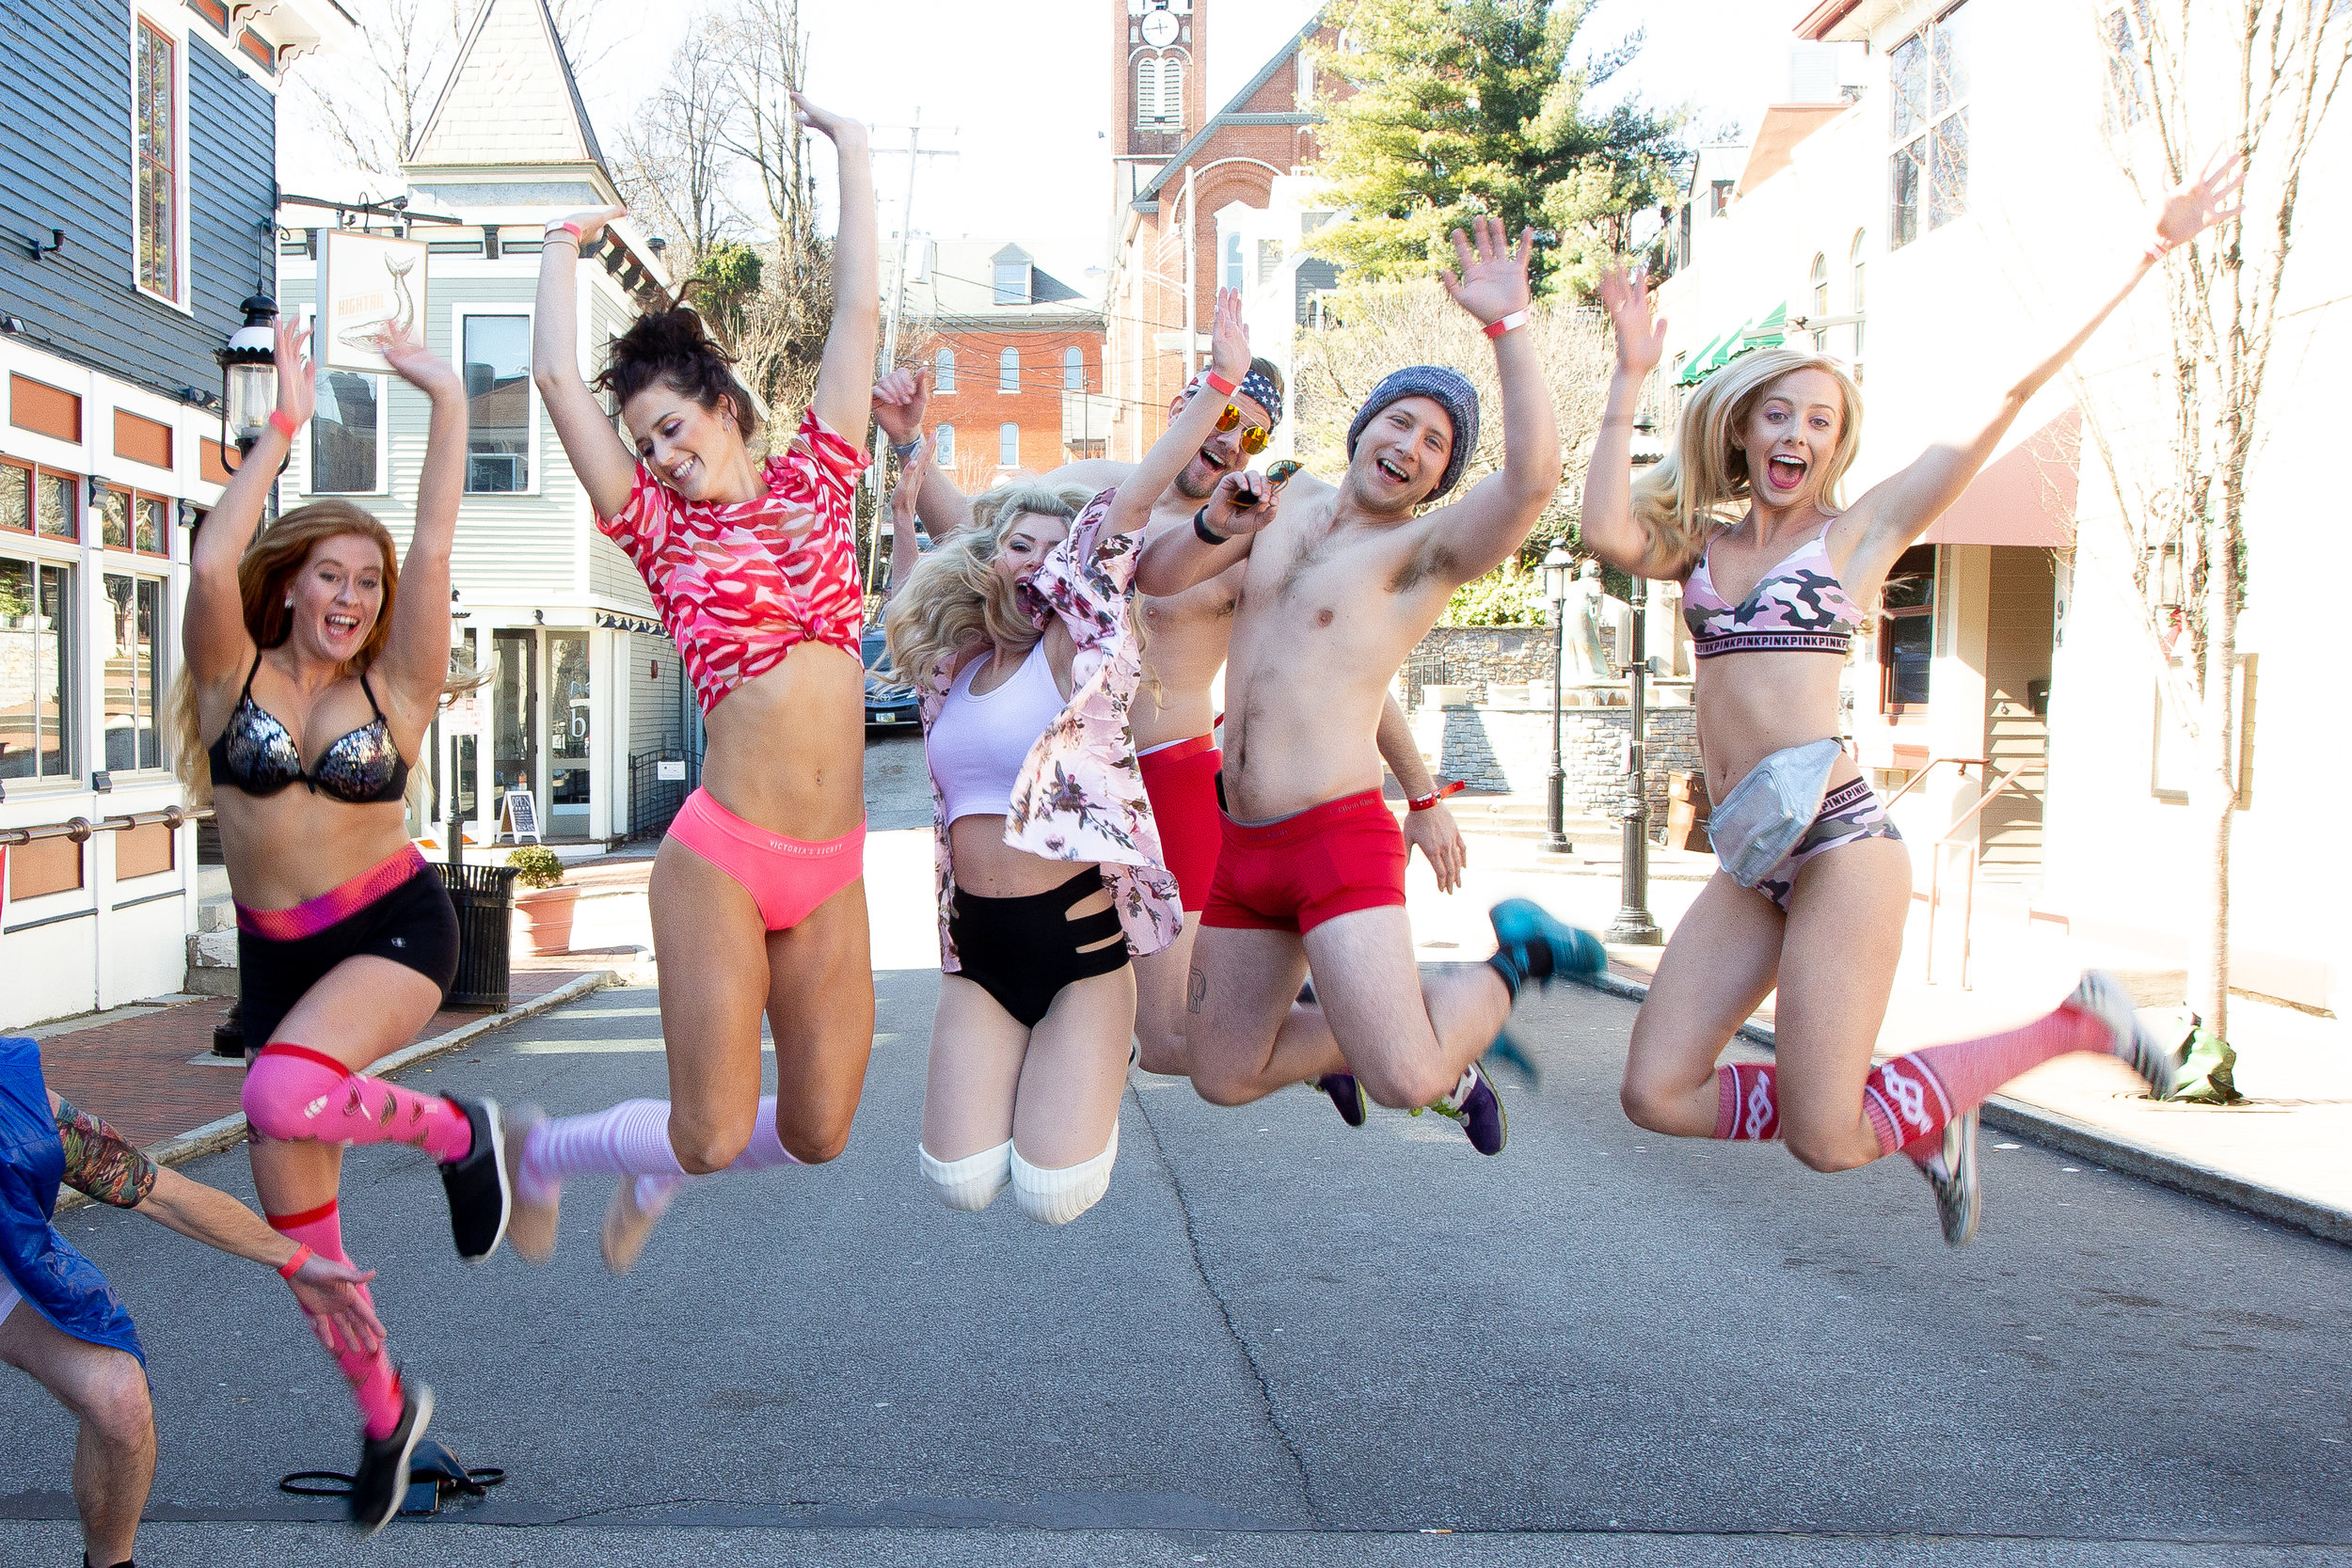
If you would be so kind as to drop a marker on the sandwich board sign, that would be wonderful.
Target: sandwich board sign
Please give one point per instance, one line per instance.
(518, 817)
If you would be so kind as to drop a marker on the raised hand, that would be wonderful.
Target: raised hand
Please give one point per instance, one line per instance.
(1242, 503)
(591, 222)
(1641, 339)
(837, 129)
(338, 1308)
(899, 401)
(1228, 340)
(2191, 208)
(909, 490)
(298, 373)
(428, 372)
(1491, 280)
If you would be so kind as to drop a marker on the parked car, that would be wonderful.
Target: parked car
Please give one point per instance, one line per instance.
(888, 700)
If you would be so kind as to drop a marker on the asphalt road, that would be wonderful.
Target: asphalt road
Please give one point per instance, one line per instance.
(1276, 1340)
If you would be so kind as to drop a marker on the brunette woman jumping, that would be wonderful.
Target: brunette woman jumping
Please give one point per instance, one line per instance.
(316, 661)
(1815, 883)
(758, 896)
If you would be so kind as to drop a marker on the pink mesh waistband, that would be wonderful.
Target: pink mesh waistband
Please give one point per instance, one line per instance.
(336, 904)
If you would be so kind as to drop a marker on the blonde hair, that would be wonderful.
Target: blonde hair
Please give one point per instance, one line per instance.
(954, 600)
(1680, 500)
(271, 562)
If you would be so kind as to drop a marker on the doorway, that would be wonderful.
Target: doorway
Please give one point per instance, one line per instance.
(514, 717)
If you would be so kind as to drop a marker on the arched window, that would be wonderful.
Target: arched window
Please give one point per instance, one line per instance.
(1855, 259)
(1074, 369)
(943, 376)
(1304, 96)
(1008, 445)
(1821, 285)
(1172, 93)
(944, 443)
(1233, 260)
(1159, 93)
(1008, 371)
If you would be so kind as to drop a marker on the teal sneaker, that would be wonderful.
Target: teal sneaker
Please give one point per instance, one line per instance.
(1530, 943)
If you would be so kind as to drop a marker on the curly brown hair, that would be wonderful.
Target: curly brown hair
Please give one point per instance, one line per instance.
(673, 348)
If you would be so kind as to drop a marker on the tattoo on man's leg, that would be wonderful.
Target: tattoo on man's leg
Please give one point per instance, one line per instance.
(1196, 992)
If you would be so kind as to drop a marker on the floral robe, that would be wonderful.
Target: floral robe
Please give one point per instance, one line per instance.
(1080, 793)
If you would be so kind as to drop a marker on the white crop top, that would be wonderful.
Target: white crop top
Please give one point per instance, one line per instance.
(978, 742)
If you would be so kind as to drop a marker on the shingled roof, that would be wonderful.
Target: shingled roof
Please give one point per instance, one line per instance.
(511, 99)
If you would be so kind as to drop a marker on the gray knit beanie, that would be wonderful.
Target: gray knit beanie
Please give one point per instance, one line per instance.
(1451, 389)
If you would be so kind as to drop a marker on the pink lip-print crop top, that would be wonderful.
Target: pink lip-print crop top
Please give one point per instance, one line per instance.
(741, 583)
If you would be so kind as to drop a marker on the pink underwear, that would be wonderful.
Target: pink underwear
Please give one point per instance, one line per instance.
(787, 878)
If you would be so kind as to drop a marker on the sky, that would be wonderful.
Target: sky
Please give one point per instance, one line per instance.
(1021, 93)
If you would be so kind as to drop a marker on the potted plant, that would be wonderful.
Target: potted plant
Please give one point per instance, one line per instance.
(547, 905)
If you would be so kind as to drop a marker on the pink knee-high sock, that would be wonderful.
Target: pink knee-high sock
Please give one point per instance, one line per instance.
(1747, 1101)
(374, 1380)
(294, 1093)
(1910, 1098)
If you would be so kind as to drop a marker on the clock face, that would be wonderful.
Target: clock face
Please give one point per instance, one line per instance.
(1159, 29)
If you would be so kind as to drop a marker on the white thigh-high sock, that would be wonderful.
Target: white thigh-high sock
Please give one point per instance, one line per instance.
(1058, 1197)
(971, 1183)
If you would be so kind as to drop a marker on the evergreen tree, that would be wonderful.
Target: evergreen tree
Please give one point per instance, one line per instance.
(1469, 106)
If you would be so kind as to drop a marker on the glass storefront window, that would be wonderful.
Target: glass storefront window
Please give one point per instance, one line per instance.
(132, 686)
(514, 711)
(567, 733)
(36, 628)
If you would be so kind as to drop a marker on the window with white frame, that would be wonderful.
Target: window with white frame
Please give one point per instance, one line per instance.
(1011, 278)
(1074, 369)
(155, 151)
(1008, 445)
(944, 371)
(1927, 170)
(1159, 93)
(1233, 262)
(133, 682)
(495, 355)
(36, 652)
(1819, 283)
(347, 436)
(944, 443)
(1907, 633)
(1008, 371)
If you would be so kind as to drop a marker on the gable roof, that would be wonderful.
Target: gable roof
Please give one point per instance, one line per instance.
(509, 99)
(1233, 112)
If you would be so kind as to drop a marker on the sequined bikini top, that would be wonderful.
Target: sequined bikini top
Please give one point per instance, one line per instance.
(258, 755)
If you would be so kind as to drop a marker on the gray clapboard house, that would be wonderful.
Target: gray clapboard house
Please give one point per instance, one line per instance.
(588, 692)
(137, 158)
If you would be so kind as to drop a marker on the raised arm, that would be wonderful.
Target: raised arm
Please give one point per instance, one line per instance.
(901, 400)
(606, 467)
(1608, 525)
(416, 654)
(1228, 361)
(905, 498)
(1899, 508)
(848, 367)
(212, 634)
(1494, 519)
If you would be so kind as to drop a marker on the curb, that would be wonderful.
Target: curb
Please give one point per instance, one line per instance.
(2086, 1141)
(215, 1135)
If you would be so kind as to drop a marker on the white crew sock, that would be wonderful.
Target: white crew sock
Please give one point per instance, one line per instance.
(971, 1183)
(1058, 1197)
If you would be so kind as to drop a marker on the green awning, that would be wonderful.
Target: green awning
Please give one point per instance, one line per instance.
(1769, 330)
(1695, 367)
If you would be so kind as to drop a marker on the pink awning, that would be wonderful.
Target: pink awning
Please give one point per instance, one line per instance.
(2026, 497)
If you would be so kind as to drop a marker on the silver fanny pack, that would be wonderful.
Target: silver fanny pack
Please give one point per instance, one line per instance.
(1767, 812)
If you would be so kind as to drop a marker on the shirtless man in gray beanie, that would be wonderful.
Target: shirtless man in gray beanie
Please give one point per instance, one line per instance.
(1174, 711)
(1335, 591)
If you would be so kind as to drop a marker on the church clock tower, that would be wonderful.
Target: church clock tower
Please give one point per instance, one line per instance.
(1160, 97)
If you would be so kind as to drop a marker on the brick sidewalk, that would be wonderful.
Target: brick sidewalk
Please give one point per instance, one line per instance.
(139, 1073)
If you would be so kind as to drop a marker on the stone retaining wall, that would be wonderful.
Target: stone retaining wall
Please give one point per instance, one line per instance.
(1509, 748)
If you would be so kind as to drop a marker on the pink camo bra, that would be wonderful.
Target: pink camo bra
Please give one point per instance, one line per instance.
(741, 583)
(1799, 606)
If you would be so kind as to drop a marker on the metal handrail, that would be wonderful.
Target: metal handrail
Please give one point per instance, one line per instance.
(1951, 840)
(80, 828)
(1921, 777)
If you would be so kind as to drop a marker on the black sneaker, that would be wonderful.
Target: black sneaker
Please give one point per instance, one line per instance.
(377, 1489)
(480, 1197)
(1346, 1094)
(1478, 1108)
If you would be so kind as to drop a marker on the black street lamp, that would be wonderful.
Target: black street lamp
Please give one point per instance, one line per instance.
(458, 616)
(248, 377)
(1557, 564)
(1634, 924)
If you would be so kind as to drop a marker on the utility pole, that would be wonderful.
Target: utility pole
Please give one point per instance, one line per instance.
(914, 154)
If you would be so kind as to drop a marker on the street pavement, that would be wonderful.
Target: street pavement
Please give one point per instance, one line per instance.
(1276, 1340)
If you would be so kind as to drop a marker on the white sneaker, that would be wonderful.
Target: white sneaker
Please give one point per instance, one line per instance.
(1953, 1172)
(2103, 996)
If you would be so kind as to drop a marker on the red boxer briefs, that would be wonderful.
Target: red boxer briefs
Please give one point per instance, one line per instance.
(1181, 779)
(1320, 864)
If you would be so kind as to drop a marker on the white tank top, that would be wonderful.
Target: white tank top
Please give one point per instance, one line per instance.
(978, 742)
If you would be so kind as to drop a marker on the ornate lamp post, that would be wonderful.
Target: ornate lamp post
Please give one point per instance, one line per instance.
(458, 616)
(1633, 924)
(1557, 563)
(249, 378)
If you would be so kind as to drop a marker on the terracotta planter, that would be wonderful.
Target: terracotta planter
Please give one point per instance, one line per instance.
(548, 918)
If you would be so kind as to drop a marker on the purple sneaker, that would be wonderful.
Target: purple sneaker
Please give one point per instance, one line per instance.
(1478, 1108)
(1346, 1095)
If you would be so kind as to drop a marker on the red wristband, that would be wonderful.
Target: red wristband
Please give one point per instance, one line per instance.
(1496, 328)
(293, 1266)
(565, 224)
(1423, 803)
(1221, 387)
(286, 427)
(2158, 248)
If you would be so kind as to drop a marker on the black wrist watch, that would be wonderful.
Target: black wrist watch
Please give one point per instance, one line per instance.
(1208, 535)
(902, 454)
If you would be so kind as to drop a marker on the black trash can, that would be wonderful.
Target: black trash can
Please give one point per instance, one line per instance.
(485, 897)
